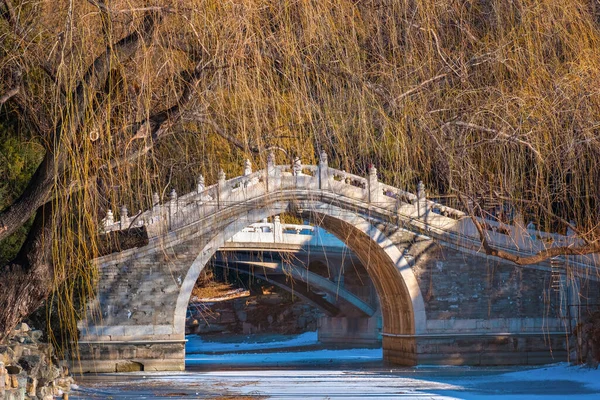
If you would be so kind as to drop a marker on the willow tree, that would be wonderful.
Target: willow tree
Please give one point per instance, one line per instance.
(492, 102)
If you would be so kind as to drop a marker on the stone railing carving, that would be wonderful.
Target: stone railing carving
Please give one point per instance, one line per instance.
(205, 201)
(275, 232)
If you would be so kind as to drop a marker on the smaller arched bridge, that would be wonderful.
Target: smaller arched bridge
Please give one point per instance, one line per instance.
(441, 299)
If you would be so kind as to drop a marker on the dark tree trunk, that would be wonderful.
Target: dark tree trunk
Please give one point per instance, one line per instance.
(27, 281)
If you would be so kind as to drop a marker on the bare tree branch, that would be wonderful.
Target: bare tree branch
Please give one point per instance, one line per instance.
(540, 256)
(9, 94)
(420, 86)
(511, 138)
(582, 235)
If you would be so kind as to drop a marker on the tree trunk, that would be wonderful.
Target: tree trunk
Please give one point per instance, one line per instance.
(27, 281)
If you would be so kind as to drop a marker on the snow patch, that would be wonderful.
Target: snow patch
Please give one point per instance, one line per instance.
(196, 345)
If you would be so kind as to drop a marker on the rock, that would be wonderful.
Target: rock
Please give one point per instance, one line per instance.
(22, 327)
(6, 354)
(36, 335)
(17, 351)
(31, 387)
(50, 373)
(13, 369)
(46, 392)
(30, 363)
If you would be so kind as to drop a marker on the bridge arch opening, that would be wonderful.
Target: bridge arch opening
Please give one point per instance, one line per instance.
(401, 302)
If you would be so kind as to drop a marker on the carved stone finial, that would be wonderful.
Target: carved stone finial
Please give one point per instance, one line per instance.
(247, 167)
(297, 166)
(420, 190)
(221, 175)
(201, 183)
(155, 199)
(372, 170)
(110, 218)
(323, 157)
(124, 217)
(173, 195)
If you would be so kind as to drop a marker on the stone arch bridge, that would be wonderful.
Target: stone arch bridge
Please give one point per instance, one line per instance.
(442, 300)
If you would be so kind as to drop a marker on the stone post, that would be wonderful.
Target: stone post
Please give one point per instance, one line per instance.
(172, 207)
(323, 171)
(271, 164)
(247, 167)
(297, 167)
(270, 178)
(109, 220)
(373, 185)
(221, 188)
(277, 230)
(421, 200)
(201, 184)
(124, 217)
(155, 207)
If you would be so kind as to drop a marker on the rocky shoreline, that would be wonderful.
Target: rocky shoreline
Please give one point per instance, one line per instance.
(29, 369)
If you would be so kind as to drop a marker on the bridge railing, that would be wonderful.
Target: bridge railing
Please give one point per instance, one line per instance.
(178, 212)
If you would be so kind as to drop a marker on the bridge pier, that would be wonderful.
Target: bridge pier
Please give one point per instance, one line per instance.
(350, 330)
(474, 349)
(127, 356)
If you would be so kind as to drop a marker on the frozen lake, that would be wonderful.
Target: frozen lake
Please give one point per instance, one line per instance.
(296, 367)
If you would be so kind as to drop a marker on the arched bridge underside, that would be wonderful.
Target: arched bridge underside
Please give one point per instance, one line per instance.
(441, 300)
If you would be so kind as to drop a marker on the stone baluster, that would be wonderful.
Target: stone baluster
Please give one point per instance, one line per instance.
(323, 171)
(247, 167)
(201, 184)
(277, 230)
(271, 172)
(271, 164)
(172, 207)
(221, 188)
(421, 200)
(297, 167)
(374, 196)
(124, 218)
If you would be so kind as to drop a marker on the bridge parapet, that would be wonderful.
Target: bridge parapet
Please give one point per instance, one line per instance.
(274, 178)
(367, 193)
